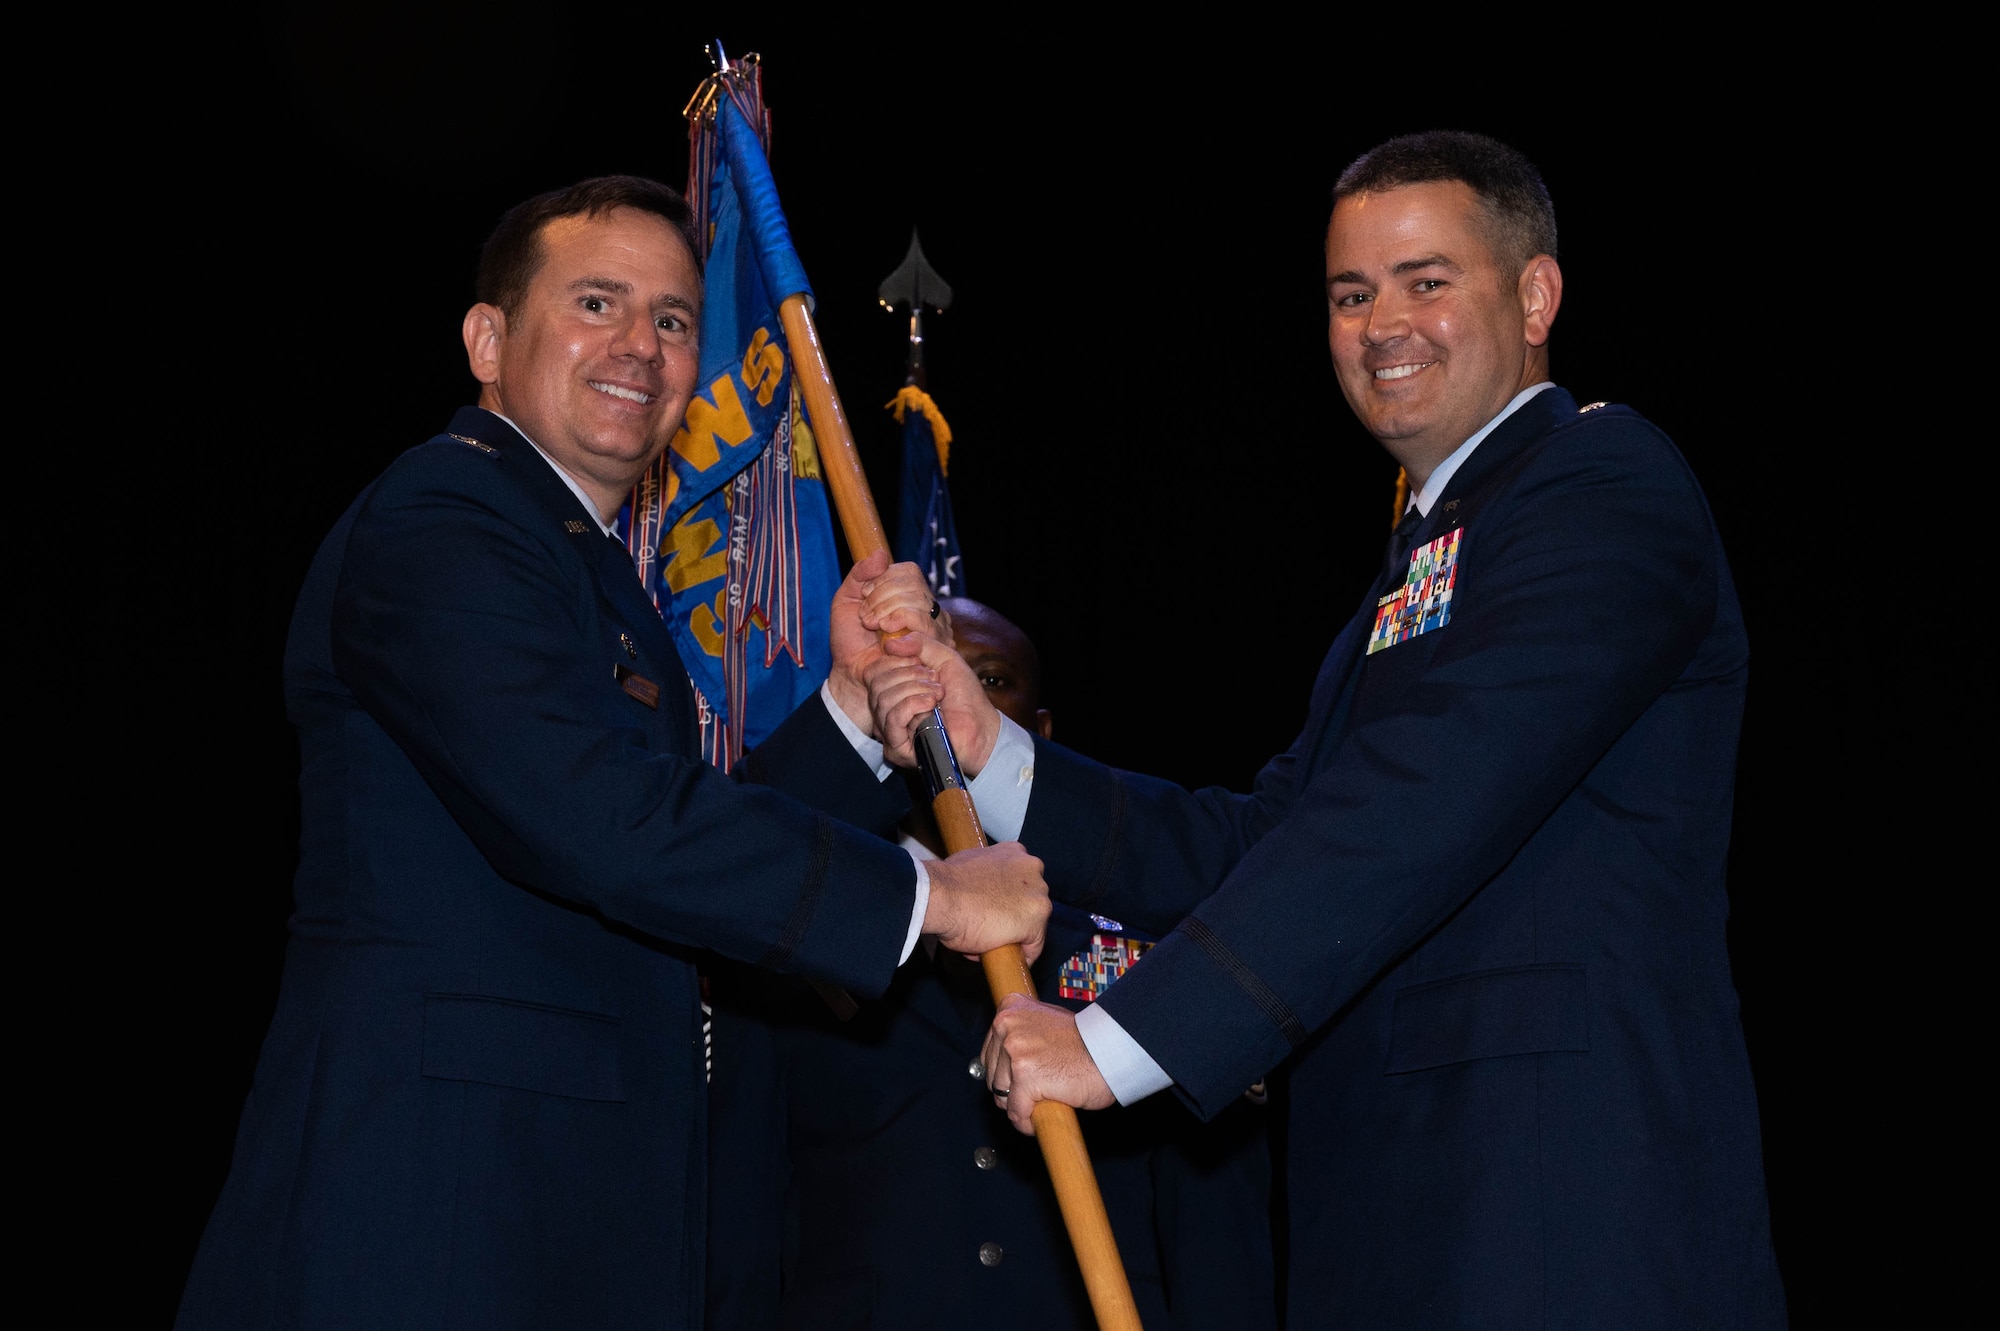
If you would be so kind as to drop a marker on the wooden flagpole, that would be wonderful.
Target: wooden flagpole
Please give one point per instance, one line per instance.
(1056, 1126)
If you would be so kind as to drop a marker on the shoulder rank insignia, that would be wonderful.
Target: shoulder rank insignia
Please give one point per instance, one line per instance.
(1423, 602)
(479, 444)
(1091, 971)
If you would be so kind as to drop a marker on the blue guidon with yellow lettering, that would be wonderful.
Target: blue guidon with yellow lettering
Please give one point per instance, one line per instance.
(730, 529)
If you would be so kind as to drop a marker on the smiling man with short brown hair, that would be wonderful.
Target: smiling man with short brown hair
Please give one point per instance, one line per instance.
(481, 1100)
(1473, 921)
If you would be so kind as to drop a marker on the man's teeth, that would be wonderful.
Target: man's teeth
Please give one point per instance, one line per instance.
(1403, 371)
(629, 394)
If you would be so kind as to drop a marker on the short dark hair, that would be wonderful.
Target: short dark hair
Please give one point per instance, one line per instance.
(1511, 190)
(512, 255)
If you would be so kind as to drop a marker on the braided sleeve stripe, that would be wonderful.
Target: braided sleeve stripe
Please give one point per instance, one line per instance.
(1247, 980)
(802, 914)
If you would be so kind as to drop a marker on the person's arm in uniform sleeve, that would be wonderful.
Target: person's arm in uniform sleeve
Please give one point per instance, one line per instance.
(1081, 833)
(464, 634)
(1573, 611)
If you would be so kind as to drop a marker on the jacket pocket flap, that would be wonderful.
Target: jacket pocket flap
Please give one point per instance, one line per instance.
(500, 1042)
(1489, 1014)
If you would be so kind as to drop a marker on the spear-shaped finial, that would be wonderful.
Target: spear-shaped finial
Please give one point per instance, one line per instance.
(916, 285)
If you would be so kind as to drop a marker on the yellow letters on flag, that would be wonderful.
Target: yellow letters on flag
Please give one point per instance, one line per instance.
(684, 561)
(725, 420)
(763, 366)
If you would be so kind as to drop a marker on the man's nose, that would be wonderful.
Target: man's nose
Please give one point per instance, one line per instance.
(640, 339)
(1387, 321)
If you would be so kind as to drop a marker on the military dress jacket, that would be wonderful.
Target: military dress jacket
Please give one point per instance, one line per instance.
(1475, 915)
(480, 1103)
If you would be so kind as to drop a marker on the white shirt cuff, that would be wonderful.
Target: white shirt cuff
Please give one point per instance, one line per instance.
(869, 749)
(1000, 792)
(923, 904)
(1127, 1069)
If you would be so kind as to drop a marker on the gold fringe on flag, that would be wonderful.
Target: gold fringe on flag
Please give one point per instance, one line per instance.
(912, 396)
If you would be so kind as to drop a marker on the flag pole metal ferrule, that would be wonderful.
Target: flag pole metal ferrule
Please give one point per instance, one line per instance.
(935, 759)
(1006, 968)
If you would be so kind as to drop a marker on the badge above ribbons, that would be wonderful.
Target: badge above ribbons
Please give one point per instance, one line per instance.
(1423, 602)
(1093, 969)
(730, 528)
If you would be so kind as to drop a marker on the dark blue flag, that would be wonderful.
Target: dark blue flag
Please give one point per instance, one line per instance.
(926, 535)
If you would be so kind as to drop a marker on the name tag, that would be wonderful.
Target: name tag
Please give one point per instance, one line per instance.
(637, 685)
(1423, 602)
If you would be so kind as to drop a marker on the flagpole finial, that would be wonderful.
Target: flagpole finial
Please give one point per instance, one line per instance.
(915, 284)
(718, 57)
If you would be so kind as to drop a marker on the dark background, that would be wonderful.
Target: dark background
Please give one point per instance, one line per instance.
(1154, 472)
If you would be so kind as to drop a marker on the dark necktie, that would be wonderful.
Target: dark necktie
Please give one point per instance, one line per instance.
(1396, 562)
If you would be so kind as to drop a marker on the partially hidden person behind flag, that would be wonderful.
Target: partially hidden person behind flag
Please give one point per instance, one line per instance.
(1474, 919)
(859, 1176)
(480, 1101)
(926, 531)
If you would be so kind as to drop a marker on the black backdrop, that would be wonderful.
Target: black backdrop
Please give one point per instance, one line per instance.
(1154, 472)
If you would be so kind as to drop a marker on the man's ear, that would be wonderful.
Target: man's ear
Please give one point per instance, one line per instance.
(484, 329)
(1541, 296)
(1045, 723)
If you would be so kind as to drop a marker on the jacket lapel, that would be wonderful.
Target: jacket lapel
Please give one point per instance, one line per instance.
(1536, 418)
(1334, 689)
(1333, 695)
(617, 580)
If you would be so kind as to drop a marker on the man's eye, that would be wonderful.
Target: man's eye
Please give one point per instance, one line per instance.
(993, 681)
(1352, 300)
(595, 304)
(672, 323)
(1429, 284)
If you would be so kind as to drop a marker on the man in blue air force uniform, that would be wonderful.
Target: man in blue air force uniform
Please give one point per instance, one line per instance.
(480, 1103)
(1476, 912)
(861, 1180)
